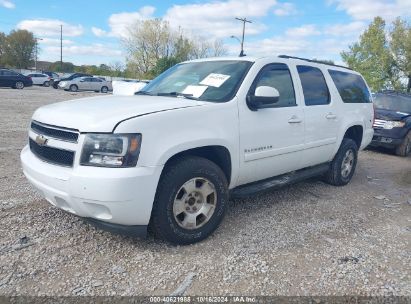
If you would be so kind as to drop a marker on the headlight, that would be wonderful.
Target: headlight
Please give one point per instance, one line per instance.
(393, 124)
(62, 83)
(111, 150)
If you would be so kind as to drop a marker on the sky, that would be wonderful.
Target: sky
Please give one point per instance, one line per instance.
(93, 29)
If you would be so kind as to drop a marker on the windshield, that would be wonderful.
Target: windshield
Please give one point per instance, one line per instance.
(398, 103)
(215, 81)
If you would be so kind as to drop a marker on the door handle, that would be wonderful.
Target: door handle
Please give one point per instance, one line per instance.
(294, 119)
(331, 116)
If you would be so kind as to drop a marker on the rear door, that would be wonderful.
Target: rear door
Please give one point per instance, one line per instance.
(322, 119)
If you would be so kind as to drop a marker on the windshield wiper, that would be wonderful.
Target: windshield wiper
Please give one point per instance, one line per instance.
(143, 93)
(176, 94)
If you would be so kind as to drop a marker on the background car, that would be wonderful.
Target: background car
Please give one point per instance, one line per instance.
(9, 78)
(392, 126)
(40, 79)
(86, 84)
(53, 76)
(69, 78)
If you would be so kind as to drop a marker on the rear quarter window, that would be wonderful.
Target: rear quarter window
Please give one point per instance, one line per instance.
(351, 87)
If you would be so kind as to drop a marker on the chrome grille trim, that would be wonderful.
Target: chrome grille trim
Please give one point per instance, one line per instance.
(59, 133)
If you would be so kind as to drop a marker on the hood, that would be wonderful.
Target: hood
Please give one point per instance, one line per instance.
(390, 115)
(102, 114)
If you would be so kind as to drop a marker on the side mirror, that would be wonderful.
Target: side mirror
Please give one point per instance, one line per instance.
(264, 97)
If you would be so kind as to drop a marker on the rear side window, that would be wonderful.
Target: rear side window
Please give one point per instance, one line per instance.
(351, 87)
(314, 86)
(278, 76)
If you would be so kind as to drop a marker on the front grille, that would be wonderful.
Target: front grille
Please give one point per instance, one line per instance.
(55, 132)
(52, 155)
(379, 123)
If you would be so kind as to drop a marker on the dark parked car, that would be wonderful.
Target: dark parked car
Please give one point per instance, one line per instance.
(9, 78)
(392, 126)
(71, 77)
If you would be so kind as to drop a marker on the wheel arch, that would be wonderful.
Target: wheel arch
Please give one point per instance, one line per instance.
(218, 154)
(355, 132)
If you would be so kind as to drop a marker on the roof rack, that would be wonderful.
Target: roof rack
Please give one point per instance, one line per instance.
(315, 61)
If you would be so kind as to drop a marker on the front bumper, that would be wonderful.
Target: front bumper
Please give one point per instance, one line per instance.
(107, 196)
(389, 138)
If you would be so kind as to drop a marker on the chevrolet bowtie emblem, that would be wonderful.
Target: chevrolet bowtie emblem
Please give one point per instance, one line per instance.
(41, 140)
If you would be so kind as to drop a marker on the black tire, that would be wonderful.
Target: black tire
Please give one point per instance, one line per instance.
(46, 84)
(19, 85)
(405, 148)
(163, 221)
(336, 175)
(73, 88)
(104, 90)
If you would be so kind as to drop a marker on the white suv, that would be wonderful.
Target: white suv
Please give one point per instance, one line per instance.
(172, 155)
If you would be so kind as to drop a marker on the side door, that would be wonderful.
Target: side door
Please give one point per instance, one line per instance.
(85, 83)
(97, 83)
(2, 78)
(321, 114)
(271, 139)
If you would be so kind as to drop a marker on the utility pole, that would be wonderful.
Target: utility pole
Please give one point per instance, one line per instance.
(61, 47)
(244, 21)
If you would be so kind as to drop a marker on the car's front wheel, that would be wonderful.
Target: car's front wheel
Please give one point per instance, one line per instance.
(190, 201)
(343, 166)
(405, 148)
(73, 88)
(19, 85)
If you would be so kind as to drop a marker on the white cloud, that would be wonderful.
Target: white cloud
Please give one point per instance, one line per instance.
(217, 19)
(94, 49)
(55, 42)
(50, 27)
(368, 9)
(7, 4)
(120, 22)
(303, 31)
(350, 29)
(285, 9)
(98, 32)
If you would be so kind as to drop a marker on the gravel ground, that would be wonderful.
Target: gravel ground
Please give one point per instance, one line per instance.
(306, 239)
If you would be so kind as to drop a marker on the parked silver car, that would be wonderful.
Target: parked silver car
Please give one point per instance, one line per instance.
(86, 84)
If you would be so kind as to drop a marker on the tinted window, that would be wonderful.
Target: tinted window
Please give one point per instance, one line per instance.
(314, 86)
(96, 80)
(278, 76)
(88, 79)
(9, 73)
(351, 87)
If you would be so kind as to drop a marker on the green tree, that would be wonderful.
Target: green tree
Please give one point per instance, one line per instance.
(66, 67)
(2, 48)
(400, 45)
(20, 49)
(371, 57)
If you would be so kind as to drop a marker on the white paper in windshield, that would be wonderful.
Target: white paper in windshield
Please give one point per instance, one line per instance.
(194, 90)
(215, 80)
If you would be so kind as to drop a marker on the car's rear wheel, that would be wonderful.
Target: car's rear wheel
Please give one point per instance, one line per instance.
(46, 84)
(343, 166)
(73, 88)
(190, 201)
(104, 90)
(19, 85)
(405, 148)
